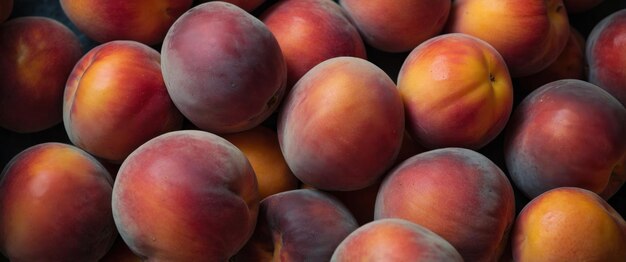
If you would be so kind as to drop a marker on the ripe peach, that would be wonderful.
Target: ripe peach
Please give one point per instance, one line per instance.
(223, 68)
(570, 64)
(341, 125)
(115, 100)
(185, 195)
(311, 31)
(400, 25)
(458, 194)
(566, 133)
(456, 91)
(393, 239)
(298, 225)
(55, 201)
(36, 57)
(142, 21)
(569, 224)
(606, 54)
(260, 145)
(529, 34)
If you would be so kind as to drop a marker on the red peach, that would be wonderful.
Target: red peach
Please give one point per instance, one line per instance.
(400, 25)
(458, 194)
(311, 31)
(142, 21)
(298, 225)
(393, 239)
(223, 68)
(606, 54)
(185, 196)
(341, 125)
(55, 201)
(115, 100)
(36, 57)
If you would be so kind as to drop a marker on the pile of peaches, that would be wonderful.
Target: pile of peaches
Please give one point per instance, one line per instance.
(315, 130)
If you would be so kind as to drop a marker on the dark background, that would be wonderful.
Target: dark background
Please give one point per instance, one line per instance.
(12, 143)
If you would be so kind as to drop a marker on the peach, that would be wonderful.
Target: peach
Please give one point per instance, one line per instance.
(311, 31)
(393, 239)
(115, 100)
(6, 7)
(457, 92)
(55, 201)
(341, 126)
(529, 34)
(606, 54)
(566, 133)
(185, 195)
(400, 25)
(260, 145)
(298, 225)
(223, 68)
(570, 64)
(456, 193)
(580, 6)
(37, 55)
(143, 21)
(248, 5)
(569, 224)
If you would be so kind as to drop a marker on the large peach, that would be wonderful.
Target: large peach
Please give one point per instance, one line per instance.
(529, 34)
(400, 25)
(457, 92)
(311, 31)
(393, 239)
(458, 194)
(142, 21)
(570, 64)
(55, 201)
(569, 224)
(606, 54)
(223, 68)
(6, 7)
(37, 55)
(260, 145)
(185, 196)
(115, 100)
(566, 133)
(298, 225)
(341, 126)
